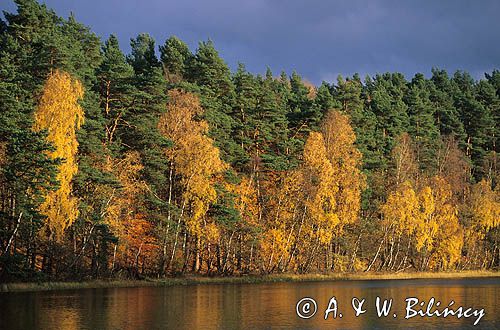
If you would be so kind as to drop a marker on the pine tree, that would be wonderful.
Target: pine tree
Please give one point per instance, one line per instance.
(115, 88)
(270, 116)
(175, 58)
(246, 89)
(212, 74)
(477, 120)
(149, 103)
(447, 117)
(324, 100)
(141, 134)
(386, 102)
(302, 116)
(27, 174)
(349, 96)
(422, 128)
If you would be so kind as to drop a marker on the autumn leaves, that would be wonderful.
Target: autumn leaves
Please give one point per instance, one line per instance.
(316, 201)
(305, 208)
(196, 163)
(290, 220)
(428, 220)
(60, 114)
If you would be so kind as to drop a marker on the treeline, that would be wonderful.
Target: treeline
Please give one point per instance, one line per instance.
(115, 165)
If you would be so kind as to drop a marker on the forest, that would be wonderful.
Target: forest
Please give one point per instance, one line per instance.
(163, 162)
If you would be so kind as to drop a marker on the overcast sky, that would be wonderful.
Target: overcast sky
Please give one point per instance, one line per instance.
(318, 39)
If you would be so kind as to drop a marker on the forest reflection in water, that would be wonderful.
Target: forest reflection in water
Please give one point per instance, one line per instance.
(248, 306)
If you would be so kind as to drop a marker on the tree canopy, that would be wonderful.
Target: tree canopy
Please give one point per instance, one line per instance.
(163, 161)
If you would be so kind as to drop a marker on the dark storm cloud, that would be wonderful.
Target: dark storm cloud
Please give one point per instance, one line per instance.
(319, 39)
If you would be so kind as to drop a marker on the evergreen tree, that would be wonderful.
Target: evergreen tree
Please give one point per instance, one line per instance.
(115, 89)
(246, 89)
(302, 116)
(270, 116)
(477, 120)
(349, 95)
(386, 94)
(447, 117)
(422, 127)
(175, 58)
(212, 74)
(142, 134)
(324, 100)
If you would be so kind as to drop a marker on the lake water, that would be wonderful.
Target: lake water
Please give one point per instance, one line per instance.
(252, 306)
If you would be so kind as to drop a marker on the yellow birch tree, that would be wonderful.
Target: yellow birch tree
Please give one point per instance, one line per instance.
(320, 188)
(345, 159)
(60, 114)
(485, 208)
(448, 237)
(195, 159)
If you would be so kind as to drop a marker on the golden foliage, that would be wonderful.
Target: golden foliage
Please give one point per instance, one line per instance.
(273, 245)
(320, 188)
(120, 210)
(448, 240)
(401, 209)
(285, 222)
(178, 122)
(245, 200)
(485, 208)
(195, 158)
(346, 163)
(140, 240)
(60, 114)
(426, 224)
(311, 205)
(429, 218)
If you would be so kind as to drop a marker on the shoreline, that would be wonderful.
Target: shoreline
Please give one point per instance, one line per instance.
(249, 279)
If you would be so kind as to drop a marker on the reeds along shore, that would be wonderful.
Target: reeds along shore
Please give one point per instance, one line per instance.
(190, 280)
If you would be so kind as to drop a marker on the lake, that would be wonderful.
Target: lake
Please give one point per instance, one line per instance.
(258, 306)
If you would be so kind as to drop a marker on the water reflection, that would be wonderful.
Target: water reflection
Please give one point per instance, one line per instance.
(246, 306)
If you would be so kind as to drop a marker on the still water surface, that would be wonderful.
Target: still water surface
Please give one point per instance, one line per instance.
(249, 306)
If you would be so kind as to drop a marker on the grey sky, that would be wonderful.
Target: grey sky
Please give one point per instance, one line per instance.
(318, 39)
